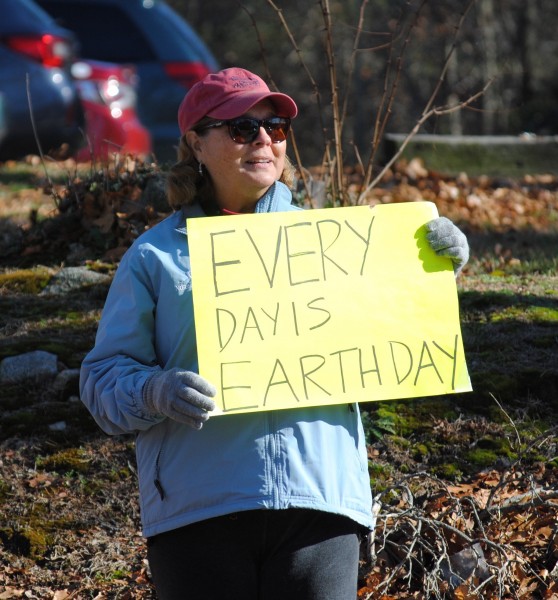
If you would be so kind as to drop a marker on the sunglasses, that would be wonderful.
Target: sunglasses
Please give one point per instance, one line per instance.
(244, 130)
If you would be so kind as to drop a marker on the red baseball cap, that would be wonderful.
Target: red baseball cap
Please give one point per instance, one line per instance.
(228, 94)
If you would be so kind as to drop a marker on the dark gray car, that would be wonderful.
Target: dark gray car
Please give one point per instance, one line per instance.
(39, 105)
(169, 57)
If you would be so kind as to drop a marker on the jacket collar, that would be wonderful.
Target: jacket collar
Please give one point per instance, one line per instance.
(277, 198)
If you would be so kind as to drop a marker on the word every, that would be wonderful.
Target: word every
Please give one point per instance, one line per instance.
(307, 252)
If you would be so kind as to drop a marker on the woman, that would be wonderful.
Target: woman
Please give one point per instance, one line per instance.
(265, 505)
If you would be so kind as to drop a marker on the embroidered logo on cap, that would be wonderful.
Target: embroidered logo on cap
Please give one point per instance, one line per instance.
(242, 83)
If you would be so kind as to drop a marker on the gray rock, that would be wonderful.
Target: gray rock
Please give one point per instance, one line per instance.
(66, 382)
(31, 365)
(465, 564)
(11, 239)
(58, 426)
(72, 278)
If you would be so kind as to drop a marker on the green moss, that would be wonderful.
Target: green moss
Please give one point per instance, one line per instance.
(101, 267)
(24, 541)
(35, 533)
(411, 417)
(39, 541)
(4, 490)
(73, 316)
(28, 281)
(120, 474)
(480, 457)
(395, 418)
(529, 314)
(67, 460)
(379, 471)
(91, 487)
(543, 313)
(448, 471)
(117, 574)
(399, 442)
(380, 476)
(489, 449)
(420, 451)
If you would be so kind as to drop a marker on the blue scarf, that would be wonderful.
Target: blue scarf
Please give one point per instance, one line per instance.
(269, 201)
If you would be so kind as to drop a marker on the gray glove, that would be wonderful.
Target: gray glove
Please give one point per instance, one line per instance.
(180, 395)
(446, 239)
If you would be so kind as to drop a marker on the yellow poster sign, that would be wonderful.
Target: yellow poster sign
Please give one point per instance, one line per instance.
(324, 307)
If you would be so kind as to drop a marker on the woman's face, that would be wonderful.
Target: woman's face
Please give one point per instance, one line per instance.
(241, 173)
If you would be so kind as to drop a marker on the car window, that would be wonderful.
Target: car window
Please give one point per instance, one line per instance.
(106, 34)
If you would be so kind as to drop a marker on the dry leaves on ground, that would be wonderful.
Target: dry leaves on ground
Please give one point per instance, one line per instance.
(73, 531)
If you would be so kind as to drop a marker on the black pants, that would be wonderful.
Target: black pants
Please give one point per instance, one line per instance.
(258, 555)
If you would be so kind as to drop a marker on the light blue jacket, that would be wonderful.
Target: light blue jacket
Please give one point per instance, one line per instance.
(305, 457)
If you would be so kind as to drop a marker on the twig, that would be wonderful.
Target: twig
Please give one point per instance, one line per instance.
(35, 133)
(33, 125)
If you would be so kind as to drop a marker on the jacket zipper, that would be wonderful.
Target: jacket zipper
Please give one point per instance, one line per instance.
(275, 467)
(157, 481)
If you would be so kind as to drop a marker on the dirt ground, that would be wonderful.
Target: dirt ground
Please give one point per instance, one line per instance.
(450, 473)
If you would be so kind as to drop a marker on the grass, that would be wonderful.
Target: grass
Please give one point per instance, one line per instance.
(514, 253)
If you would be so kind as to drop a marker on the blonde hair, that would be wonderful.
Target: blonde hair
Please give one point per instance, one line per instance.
(185, 185)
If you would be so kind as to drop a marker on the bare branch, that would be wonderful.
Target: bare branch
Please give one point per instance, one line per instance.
(313, 83)
(352, 60)
(424, 117)
(338, 189)
(419, 547)
(442, 77)
(388, 97)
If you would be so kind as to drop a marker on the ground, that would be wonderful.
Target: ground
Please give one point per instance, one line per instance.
(463, 480)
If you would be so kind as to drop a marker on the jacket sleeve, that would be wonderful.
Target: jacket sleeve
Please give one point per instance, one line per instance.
(123, 359)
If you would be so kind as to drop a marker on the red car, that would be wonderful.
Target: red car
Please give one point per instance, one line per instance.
(108, 96)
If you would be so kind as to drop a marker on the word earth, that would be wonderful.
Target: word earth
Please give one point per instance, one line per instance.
(395, 364)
